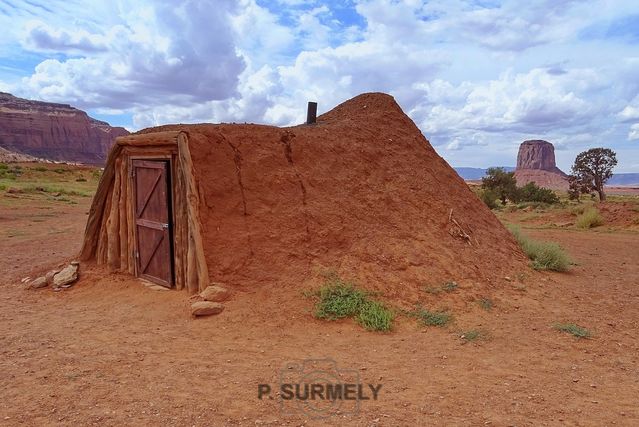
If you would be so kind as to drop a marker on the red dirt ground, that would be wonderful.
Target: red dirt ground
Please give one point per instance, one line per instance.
(110, 352)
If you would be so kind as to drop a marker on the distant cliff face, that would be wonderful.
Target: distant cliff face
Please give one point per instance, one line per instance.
(537, 154)
(536, 163)
(54, 131)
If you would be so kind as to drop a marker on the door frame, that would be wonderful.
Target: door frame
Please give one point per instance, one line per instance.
(171, 214)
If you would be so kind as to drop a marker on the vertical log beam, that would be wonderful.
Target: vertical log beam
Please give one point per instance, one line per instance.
(197, 273)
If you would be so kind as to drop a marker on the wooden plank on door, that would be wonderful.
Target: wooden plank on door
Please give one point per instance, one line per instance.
(152, 220)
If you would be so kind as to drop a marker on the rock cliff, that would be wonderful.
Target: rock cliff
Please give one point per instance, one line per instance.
(54, 131)
(536, 163)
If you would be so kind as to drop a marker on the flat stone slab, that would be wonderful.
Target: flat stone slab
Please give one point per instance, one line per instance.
(40, 282)
(215, 293)
(206, 308)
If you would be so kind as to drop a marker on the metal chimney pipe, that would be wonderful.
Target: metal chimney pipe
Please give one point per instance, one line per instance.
(311, 114)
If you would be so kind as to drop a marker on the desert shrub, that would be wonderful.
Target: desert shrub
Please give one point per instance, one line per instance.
(486, 304)
(544, 255)
(60, 170)
(80, 179)
(489, 197)
(433, 318)
(54, 190)
(573, 329)
(374, 316)
(578, 210)
(531, 192)
(449, 286)
(589, 218)
(10, 171)
(97, 173)
(40, 169)
(339, 299)
(3, 187)
(473, 335)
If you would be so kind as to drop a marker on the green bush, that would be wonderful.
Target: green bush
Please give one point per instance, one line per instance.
(374, 316)
(40, 169)
(339, 299)
(503, 184)
(589, 218)
(489, 197)
(531, 192)
(544, 255)
(4, 166)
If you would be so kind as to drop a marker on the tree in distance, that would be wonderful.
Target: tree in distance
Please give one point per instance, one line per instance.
(590, 172)
(501, 183)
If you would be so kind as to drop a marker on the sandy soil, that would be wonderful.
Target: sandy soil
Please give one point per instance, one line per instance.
(111, 352)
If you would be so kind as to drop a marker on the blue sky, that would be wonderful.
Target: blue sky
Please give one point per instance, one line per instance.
(477, 77)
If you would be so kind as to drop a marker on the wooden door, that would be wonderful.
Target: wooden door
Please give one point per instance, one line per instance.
(153, 221)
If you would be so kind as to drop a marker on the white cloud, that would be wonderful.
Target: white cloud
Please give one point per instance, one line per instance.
(477, 77)
(530, 102)
(155, 56)
(40, 36)
(630, 113)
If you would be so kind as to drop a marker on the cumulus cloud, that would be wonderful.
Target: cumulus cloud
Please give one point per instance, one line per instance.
(532, 102)
(476, 76)
(40, 36)
(156, 56)
(630, 113)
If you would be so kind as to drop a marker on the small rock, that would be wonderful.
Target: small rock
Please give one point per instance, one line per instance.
(206, 308)
(25, 279)
(76, 263)
(66, 277)
(13, 190)
(38, 283)
(49, 276)
(158, 288)
(215, 293)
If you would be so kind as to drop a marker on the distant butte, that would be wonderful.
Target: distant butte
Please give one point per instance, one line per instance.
(536, 163)
(54, 131)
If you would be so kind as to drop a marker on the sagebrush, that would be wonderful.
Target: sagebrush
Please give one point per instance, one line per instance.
(544, 255)
(589, 218)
